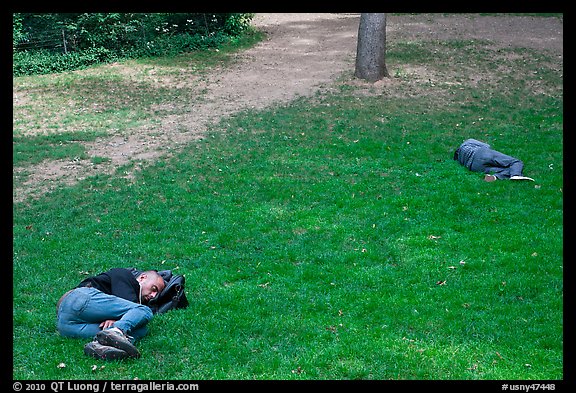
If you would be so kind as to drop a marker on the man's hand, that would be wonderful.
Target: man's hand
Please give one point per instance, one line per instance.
(107, 323)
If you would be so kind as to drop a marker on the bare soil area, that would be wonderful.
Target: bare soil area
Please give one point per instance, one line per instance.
(303, 53)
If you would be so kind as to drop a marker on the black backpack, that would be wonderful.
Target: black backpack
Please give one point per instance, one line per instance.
(172, 296)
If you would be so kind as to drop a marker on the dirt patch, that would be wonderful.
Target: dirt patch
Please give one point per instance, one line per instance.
(543, 34)
(304, 53)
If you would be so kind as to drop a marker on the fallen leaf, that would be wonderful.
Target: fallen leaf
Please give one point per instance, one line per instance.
(297, 371)
(432, 237)
(441, 282)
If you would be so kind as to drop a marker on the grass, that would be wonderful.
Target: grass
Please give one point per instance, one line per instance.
(331, 238)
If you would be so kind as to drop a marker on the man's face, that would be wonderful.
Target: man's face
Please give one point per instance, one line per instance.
(151, 286)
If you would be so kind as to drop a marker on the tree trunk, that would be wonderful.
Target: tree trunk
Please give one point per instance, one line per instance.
(371, 49)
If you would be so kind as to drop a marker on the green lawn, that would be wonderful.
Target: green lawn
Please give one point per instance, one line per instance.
(331, 238)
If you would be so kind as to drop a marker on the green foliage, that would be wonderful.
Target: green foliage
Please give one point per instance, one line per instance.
(17, 33)
(46, 62)
(48, 43)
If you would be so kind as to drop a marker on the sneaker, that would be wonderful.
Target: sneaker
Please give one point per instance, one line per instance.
(490, 178)
(521, 178)
(104, 352)
(116, 338)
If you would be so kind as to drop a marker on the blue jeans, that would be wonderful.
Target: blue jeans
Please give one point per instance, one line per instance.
(83, 309)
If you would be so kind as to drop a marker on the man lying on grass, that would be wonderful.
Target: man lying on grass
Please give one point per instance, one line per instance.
(480, 157)
(111, 309)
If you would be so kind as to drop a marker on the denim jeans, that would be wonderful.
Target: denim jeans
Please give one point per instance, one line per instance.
(83, 309)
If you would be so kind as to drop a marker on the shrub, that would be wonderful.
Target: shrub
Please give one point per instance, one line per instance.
(47, 43)
(46, 62)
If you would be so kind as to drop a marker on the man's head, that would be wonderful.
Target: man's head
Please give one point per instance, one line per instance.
(151, 284)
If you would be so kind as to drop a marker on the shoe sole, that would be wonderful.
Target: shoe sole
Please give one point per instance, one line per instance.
(104, 337)
(109, 354)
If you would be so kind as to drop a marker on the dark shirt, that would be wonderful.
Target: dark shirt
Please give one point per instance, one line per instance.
(119, 282)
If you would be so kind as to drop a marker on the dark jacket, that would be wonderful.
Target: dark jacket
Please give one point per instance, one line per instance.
(119, 282)
(467, 150)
